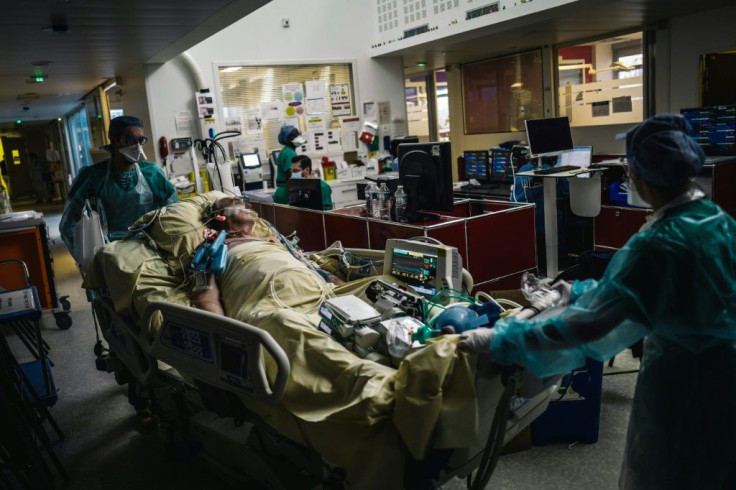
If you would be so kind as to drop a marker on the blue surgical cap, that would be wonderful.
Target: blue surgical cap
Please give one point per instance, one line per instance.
(285, 133)
(661, 151)
(118, 124)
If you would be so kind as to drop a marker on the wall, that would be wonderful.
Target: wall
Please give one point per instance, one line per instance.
(134, 102)
(332, 32)
(702, 33)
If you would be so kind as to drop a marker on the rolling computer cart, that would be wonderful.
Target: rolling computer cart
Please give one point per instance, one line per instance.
(24, 236)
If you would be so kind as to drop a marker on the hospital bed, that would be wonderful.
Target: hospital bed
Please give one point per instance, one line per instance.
(229, 387)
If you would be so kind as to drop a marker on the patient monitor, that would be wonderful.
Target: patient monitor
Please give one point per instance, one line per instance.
(426, 267)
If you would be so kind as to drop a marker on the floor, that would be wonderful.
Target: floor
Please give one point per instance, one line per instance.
(106, 448)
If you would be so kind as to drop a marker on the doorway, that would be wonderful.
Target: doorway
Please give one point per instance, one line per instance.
(427, 106)
(19, 171)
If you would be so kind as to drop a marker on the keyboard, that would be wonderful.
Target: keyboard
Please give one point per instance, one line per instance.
(556, 170)
(480, 187)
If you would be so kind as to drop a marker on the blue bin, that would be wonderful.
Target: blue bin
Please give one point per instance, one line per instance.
(576, 417)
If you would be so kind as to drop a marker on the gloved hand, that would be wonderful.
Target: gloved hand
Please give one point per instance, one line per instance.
(476, 340)
(564, 288)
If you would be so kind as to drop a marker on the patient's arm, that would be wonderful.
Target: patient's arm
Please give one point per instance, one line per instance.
(208, 299)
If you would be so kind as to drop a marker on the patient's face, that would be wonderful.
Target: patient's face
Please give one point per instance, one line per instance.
(240, 219)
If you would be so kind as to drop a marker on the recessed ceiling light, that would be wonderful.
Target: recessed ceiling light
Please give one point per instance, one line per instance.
(230, 69)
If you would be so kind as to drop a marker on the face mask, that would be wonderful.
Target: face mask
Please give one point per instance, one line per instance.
(297, 175)
(133, 153)
(298, 141)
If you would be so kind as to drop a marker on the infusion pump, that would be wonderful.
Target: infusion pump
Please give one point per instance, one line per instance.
(426, 267)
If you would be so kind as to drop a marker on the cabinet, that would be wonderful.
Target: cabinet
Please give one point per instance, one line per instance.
(615, 225)
(345, 192)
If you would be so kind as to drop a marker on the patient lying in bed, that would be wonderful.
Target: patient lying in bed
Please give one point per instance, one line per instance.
(362, 416)
(246, 255)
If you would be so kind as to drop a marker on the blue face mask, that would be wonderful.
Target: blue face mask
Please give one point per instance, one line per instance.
(296, 175)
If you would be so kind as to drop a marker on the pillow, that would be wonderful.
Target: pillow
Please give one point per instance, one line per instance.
(177, 230)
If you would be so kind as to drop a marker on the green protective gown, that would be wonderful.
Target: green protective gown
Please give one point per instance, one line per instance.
(125, 197)
(283, 164)
(675, 284)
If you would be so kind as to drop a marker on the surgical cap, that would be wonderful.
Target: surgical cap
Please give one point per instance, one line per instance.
(118, 124)
(285, 133)
(661, 151)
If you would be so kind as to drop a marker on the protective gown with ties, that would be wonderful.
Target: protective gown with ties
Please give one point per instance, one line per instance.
(675, 284)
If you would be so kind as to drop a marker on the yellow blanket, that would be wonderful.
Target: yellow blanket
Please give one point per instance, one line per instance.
(359, 415)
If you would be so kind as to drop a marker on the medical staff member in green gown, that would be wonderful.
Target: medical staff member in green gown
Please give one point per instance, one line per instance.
(290, 137)
(674, 284)
(126, 185)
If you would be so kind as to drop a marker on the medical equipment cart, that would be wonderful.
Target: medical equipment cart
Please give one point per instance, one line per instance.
(24, 236)
(26, 389)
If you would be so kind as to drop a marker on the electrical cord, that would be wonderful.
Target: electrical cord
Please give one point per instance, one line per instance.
(496, 436)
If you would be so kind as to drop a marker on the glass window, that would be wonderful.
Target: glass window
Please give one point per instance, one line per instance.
(602, 82)
(499, 94)
(79, 136)
(245, 88)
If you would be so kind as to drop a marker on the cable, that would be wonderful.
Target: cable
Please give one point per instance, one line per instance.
(494, 443)
(489, 298)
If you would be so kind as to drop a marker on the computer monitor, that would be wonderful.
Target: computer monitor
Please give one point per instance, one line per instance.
(549, 136)
(476, 165)
(426, 267)
(305, 193)
(425, 171)
(393, 147)
(250, 160)
(501, 170)
(714, 128)
(579, 156)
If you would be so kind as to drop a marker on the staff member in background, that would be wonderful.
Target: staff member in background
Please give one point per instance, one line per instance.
(301, 168)
(125, 185)
(675, 284)
(290, 137)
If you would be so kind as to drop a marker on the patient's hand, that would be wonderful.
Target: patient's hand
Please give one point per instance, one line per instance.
(208, 299)
(333, 279)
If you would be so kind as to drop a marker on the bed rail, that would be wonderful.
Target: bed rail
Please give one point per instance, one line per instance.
(223, 352)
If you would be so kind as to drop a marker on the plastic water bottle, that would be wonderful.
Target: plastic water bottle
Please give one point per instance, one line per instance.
(370, 189)
(400, 204)
(375, 202)
(384, 196)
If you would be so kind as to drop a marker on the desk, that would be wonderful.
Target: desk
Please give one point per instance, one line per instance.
(550, 212)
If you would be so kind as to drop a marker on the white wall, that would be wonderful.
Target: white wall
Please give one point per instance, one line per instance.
(691, 36)
(332, 32)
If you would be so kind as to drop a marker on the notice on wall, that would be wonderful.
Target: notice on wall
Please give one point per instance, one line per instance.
(205, 104)
(233, 123)
(316, 97)
(271, 110)
(316, 123)
(326, 141)
(183, 123)
(253, 120)
(349, 141)
(340, 99)
(293, 96)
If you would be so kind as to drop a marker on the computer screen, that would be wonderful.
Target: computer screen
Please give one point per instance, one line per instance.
(305, 193)
(579, 156)
(250, 160)
(425, 171)
(713, 128)
(426, 267)
(549, 136)
(476, 165)
(501, 170)
(393, 147)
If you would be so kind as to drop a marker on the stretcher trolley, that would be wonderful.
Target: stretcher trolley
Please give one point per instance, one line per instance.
(24, 236)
